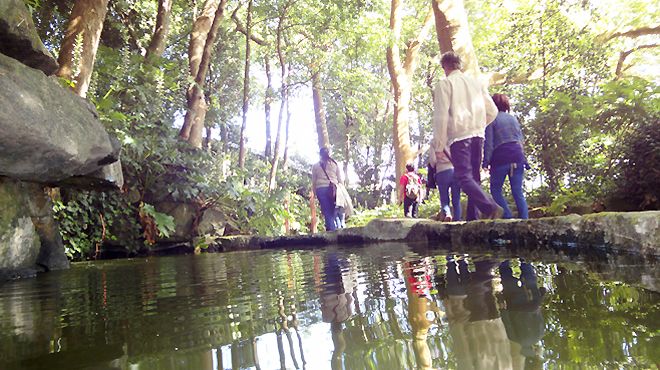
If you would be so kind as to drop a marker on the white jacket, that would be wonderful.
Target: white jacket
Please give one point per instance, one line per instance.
(462, 109)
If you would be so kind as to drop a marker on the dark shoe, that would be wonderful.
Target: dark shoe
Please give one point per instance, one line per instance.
(497, 213)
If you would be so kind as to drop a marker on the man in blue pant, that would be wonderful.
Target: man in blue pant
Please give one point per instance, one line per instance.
(462, 109)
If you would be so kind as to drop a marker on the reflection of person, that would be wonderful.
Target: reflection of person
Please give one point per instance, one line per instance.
(445, 180)
(410, 199)
(461, 110)
(325, 173)
(336, 303)
(421, 310)
(478, 334)
(503, 155)
(521, 314)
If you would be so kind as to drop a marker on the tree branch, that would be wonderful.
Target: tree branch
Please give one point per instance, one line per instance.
(241, 28)
(635, 32)
(624, 54)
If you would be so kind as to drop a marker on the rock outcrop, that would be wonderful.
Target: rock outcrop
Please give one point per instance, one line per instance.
(19, 39)
(48, 136)
(47, 133)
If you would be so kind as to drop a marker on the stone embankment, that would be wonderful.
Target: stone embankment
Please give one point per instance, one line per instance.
(611, 232)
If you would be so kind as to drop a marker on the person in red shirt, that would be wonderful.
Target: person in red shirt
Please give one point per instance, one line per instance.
(411, 191)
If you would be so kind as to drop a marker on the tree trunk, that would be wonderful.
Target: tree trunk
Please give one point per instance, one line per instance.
(272, 178)
(246, 87)
(453, 33)
(193, 124)
(267, 101)
(86, 24)
(285, 161)
(401, 74)
(159, 38)
(319, 111)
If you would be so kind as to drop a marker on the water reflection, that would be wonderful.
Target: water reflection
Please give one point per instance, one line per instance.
(422, 311)
(380, 307)
(521, 314)
(337, 302)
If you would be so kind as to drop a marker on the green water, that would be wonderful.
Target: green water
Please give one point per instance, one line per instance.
(377, 307)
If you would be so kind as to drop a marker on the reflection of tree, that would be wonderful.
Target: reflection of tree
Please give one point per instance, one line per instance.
(591, 323)
(237, 297)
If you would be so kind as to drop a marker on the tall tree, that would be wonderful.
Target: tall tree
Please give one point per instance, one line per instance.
(284, 92)
(453, 33)
(268, 99)
(159, 38)
(401, 75)
(246, 86)
(319, 111)
(85, 26)
(202, 40)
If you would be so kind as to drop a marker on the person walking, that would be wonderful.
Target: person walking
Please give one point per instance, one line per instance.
(410, 193)
(325, 177)
(445, 181)
(504, 156)
(462, 109)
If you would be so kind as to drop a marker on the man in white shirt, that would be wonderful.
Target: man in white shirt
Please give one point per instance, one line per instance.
(461, 111)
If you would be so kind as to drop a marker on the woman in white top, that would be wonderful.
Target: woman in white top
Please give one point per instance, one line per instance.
(325, 176)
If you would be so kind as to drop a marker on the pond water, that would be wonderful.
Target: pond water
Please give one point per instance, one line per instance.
(376, 307)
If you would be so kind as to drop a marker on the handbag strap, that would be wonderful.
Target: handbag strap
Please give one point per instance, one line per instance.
(326, 174)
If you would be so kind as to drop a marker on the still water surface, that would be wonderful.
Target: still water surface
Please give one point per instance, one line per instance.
(377, 307)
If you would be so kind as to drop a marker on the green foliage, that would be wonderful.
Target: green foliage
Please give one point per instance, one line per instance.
(87, 219)
(164, 222)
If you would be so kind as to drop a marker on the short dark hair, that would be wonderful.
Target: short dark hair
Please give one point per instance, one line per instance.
(410, 167)
(502, 102)
(451, 60)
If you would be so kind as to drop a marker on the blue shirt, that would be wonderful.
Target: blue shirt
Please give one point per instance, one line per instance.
(504, 129)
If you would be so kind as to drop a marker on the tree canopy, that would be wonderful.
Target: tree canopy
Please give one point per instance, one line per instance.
(177, 82)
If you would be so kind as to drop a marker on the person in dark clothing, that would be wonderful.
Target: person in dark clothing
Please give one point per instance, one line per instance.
(503, 155)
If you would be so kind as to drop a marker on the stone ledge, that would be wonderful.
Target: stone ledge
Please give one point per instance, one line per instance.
(630, 232)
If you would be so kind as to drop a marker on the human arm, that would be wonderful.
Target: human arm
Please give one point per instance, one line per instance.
(315, 176)
(441, 102)
(402, 189)
(488, 146)
(491, 108)
(338, 172)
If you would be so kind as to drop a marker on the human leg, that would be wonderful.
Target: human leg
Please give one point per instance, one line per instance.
(462, 153)
(327, 207)
(497, 176)
(407, 207)
(341, 218)
(516, 180)
(414, 209)
(443, 180)
(456, 198)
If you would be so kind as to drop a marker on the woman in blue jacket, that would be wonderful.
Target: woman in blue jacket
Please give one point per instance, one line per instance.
(504, 156)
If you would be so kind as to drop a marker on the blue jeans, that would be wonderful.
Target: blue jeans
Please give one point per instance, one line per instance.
(410, 207)
(466, 158)
(341, 217)
(516, 173)
(446, 180)
(327, 207)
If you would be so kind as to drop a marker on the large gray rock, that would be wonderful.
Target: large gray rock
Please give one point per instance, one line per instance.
(47, 133)
(19, 241)
(19, 39)
(184, 215)
(29, 237)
